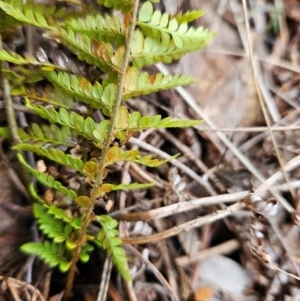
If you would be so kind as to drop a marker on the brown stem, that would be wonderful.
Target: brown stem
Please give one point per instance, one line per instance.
(88, 214)
(195, 223)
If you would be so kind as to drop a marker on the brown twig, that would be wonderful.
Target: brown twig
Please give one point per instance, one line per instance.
(181, 207)
(102, 294)
(154, 270)
(196, 223)
(12, 281)
(224, 249)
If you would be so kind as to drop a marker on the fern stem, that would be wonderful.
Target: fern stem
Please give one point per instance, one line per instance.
(88, 215)
(9, 106)
(11, 116)
(121, 80)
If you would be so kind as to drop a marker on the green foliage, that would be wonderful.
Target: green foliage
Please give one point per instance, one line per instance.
(31, 13)
(47, 180)
(61, 215)
(163, 38)
(48, 134)
(123, 5)
(93, 52)
(51, 253)
(4, 132)
(132, 186)
(108, 239)
(58, 227)
(189, 16)
(149, 51)
(82, 126)
(137, 84)
(50, 226)
(106, 29)
(157, 25)
(115, 154)
(57, 156)
(138, 122)
(48, 96)
(71, 95)
(12, 57)
(93, 95)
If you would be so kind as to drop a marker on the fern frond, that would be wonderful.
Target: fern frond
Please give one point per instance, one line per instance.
(93, 95)
(149, 50)
(48, 96)
(138, 122)
(50, 226)
(12, 57)
(56, 225)
(133, 186)
(22, 76)
(106, 188)
(115, 154)
(84, 256)
(51, 253)
(100, 133)
(189, 16)
(140, 84)
(123, 5)
(34, 194)
(55, 155)
(149, 161)
(83, 127)
(91, 51)
(106, 29)
(51, 223)
(163, 26)
(62, 215)
(46, 180)
(135, 122)
(109, 240)
(31, 13)
(45, 135)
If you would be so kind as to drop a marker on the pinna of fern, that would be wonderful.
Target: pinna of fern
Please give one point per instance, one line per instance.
(156, 38)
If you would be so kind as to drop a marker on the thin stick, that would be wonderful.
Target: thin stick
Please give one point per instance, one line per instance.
(196, 223)
(253, 129)
(224, 249)
(181, 207)
(258, 91)
(284, 243)
(271, 59)
(154, 270)
(9, 105)
(102, 295)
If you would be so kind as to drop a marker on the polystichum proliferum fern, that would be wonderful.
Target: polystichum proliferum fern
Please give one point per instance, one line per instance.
(117, 49)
